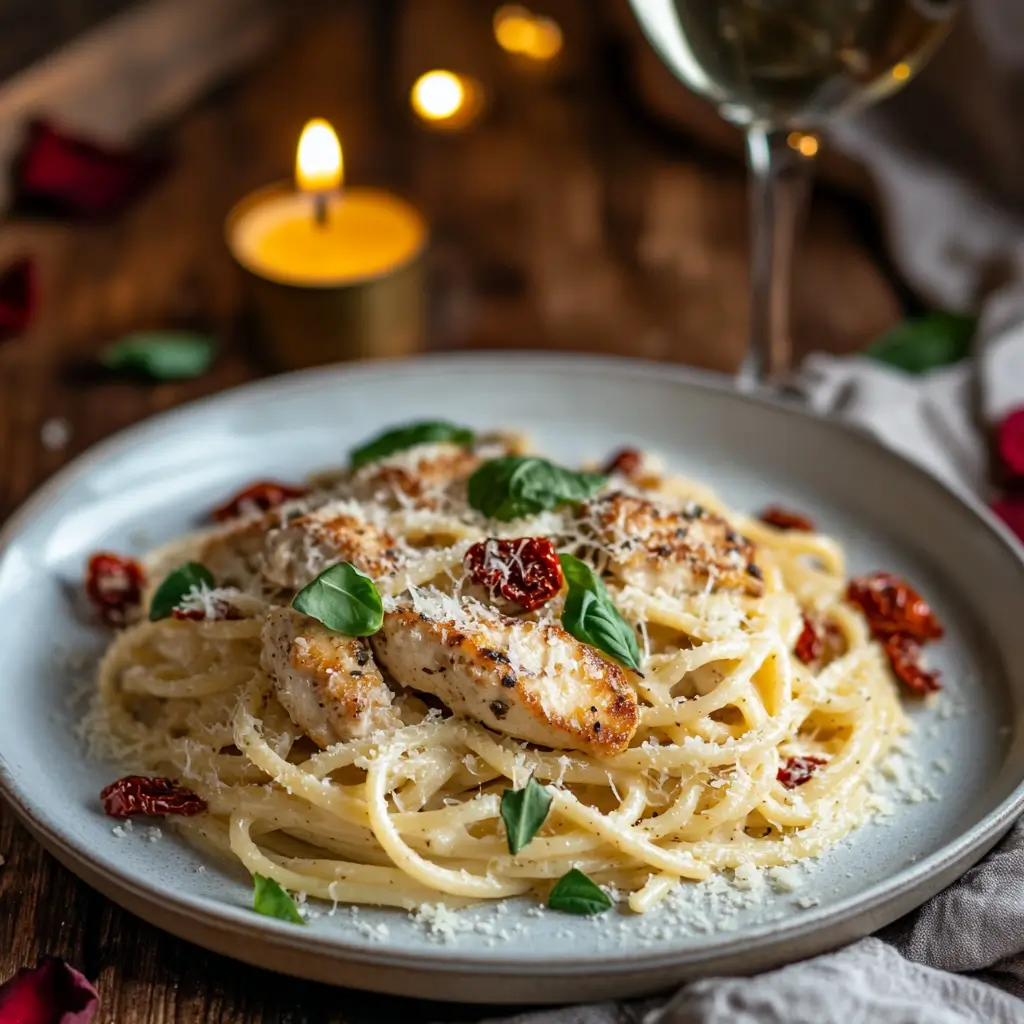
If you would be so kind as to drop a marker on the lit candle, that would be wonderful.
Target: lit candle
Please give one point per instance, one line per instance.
(332, 259)
(318, 234)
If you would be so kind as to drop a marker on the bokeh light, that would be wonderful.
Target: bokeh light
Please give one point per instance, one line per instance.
(520, 31)
(513, 28)
(437, 95)
(804, 144)
(444, 99)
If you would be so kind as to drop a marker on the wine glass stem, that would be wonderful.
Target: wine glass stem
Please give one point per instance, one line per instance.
(780, 176)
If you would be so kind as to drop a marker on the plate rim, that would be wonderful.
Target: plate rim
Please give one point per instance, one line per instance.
(959, 853)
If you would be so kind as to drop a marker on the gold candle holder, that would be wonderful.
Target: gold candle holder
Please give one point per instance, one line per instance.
(331, 275)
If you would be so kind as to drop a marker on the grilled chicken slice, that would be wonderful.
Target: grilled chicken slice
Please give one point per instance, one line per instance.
(427, 476)
(522, 678)
(327, 682)
(288, 551)
(650, 545)
(298, 550)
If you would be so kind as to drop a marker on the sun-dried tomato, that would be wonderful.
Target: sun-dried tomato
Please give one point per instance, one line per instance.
(258, 497)
(114, 585)
(525, 570)
(904, 655)
(140, 794)
(627, 462)
(785, 519)
(893, 607)
(798, 770)
(809, 645)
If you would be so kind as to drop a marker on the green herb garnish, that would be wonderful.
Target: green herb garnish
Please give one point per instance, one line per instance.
(400, 438)
(523, 811)
(176, 587)
(161, 355)
(343, 599)
(521, 485)
(576, 894)
(925, 343)
(591, 617)
(271, 900)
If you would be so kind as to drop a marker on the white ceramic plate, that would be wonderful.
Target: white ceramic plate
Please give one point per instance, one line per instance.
(154, 481)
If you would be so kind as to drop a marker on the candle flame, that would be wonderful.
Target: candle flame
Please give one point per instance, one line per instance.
(318, 163)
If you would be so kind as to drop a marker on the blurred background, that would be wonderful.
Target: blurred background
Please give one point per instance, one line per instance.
(577, 196)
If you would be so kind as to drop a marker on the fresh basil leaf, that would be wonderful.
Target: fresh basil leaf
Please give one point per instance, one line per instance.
(590, 615)
(343, 599)
(161, 355)
(400, 438)
(176, 587)
(271, 900)
(927, 342)
(579, 575)
(514, 486)
(523, 811)
(576, 894)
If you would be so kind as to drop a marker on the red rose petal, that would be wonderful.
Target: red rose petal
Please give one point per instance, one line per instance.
(1011, 511)
(78, 178)
(1010, 442)
(51, 993)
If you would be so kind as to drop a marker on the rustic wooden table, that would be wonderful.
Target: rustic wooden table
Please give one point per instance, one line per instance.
(567, 218)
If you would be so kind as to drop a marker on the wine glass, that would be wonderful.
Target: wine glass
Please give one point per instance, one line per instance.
(781, 70)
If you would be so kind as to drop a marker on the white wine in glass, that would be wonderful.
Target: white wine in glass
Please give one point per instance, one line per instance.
(775, 67)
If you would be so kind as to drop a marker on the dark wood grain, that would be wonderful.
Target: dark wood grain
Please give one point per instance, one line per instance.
(565, 219)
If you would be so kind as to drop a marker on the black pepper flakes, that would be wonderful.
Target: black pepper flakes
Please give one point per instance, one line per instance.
(498, 708)
(755, 571)
(508, 681)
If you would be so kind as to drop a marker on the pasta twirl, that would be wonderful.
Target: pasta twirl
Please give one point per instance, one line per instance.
(410, 811)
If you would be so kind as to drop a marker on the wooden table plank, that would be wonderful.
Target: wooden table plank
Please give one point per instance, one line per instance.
(561, 221)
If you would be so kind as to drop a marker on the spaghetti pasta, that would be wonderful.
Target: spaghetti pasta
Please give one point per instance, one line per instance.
(409, 810)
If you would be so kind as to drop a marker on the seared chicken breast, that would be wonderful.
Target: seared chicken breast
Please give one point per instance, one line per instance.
(299, 549)
(327, 682)
(425, 476)
(287, 551)
(522, 678)
(651, 545)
